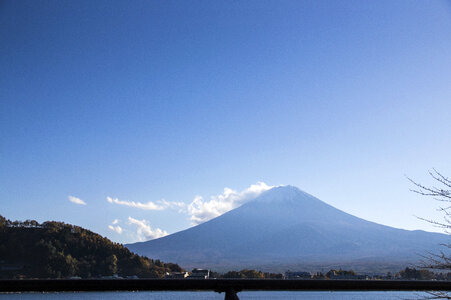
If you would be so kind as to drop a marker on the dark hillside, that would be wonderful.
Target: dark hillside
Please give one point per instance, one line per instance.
(58, 250)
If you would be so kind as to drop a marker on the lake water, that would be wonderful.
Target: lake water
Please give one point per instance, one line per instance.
(212, 295)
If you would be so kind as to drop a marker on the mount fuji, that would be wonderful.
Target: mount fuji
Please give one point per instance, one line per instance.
(286, 228)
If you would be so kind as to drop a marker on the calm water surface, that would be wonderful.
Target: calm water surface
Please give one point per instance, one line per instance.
(212, 295)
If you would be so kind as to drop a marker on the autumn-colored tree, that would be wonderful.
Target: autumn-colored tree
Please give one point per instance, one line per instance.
(58, 250)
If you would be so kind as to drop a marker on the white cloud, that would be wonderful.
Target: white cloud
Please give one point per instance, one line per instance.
(172, 205)
(201, 211)
(76, 200)
(117, 228)
(146, 206)
(158, 205)
(144, 232)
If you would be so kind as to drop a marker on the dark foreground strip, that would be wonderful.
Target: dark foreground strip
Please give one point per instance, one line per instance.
(218, 285)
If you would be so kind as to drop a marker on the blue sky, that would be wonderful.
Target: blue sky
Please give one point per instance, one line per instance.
(149, 100)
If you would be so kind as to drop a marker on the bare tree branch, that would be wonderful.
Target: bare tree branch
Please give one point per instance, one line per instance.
(434, 191)
(433, 261)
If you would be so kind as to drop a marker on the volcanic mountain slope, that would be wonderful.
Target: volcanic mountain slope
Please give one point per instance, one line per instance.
(288, 227)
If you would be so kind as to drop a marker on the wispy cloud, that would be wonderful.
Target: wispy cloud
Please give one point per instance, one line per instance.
(117, 228)
(180, 206)
(146, 206)
(114, 227)
(76, 200)
(144, 232)
(201, 210)
(158, 205)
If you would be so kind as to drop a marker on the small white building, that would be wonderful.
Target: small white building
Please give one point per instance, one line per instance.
(200, 274)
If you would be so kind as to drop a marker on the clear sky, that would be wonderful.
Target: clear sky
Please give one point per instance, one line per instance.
(155, 103)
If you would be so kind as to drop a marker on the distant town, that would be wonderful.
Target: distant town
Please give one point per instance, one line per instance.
(406, 274)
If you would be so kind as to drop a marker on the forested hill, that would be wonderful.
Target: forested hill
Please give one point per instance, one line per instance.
(58, 250)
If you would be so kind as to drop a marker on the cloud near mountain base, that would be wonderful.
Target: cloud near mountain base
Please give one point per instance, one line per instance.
(201, 210)
(198, 211)
(144, 232)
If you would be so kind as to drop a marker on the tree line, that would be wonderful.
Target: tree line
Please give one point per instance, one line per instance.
(406, 274)
(58, 250)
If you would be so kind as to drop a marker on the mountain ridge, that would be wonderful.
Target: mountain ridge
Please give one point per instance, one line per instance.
(285, 225)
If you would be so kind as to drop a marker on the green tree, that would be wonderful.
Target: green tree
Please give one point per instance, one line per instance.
(3, 221)
(112, 264)
(244, 274)
(412, 273)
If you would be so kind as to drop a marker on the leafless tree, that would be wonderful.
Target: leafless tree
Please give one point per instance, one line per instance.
(442, 194)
